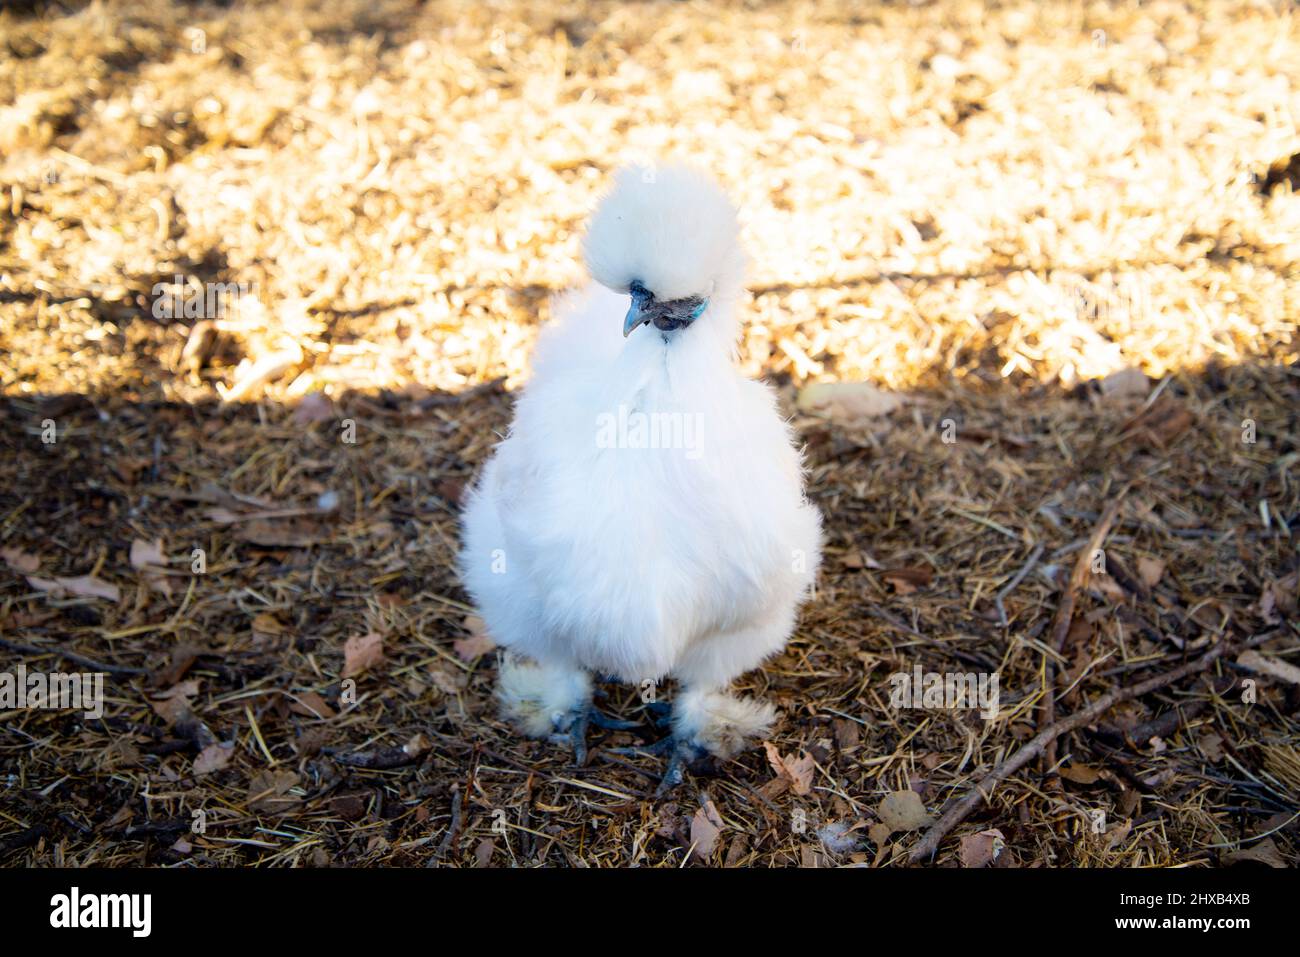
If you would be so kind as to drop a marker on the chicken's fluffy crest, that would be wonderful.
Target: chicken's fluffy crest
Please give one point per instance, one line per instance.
(672, 228)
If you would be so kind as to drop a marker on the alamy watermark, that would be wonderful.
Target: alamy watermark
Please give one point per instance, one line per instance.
(630, 429)
(947, 690)
(180, 299)
(78, 691)
(75, 909)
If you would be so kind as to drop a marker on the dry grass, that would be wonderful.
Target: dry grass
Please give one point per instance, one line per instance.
(983, 206)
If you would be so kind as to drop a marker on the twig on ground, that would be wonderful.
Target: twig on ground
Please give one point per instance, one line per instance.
(72, 656)
(1011, 586)
(452, 829)
(1064, 615)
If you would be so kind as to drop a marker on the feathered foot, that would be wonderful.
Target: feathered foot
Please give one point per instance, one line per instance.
(552, 701)
(706, 723)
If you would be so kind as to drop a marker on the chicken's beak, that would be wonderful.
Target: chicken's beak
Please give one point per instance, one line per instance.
(636, 316)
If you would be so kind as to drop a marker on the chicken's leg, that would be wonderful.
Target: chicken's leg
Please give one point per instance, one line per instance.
(550, 700)
(706, 722)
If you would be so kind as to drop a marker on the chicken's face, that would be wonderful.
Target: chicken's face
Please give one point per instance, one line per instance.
(664, 316)
(669, 239)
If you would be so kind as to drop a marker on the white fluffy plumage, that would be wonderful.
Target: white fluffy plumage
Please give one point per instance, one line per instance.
(645, 517)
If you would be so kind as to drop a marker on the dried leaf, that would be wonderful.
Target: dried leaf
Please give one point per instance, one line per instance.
(269, 791)
(361, 652)
(799, 772)
(20, 561)
(478, 643)
(1080, 774)
(908, 579)
(847, 402)
(312, 705)
(706, 825)
(213, 758)
(879, 834)
(903, 811)
(982, 849)
(84, 586)
(848, 734)
(1150, 570)
(737, 850)
(1117, 835)
(1126, 383)
(144, 554)
(1211, 745)
(315, 407)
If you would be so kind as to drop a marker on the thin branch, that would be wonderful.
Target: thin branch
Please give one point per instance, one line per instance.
(1065, 614)
(72, 656)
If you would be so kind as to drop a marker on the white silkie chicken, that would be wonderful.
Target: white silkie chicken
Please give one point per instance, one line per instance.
(645, 518)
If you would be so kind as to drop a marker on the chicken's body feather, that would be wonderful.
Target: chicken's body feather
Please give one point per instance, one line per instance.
(622, 559)
(645, 516)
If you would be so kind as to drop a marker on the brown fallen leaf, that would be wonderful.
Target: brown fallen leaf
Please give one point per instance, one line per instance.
(213, 758)
(311, 705)
(1099, 583)
(1080, 774)
(478, 643)
(1211, 745)
(798, 771)
(315, 407)
(736, 851)
(1286, 593)
(173, 704)
(361, 652)
(182, 659)
(83, 586)
(266, 625)
(848, 734)
(1150, 570)
(144, 554)
(1125, 383)
(1117, 835)
(982, 849)
(448, 679)
(705, 828)
(269, 791)
(24, 563)
(902, 811)
(907, 579)
(847, 402)
(350, 807)
(149, 560)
